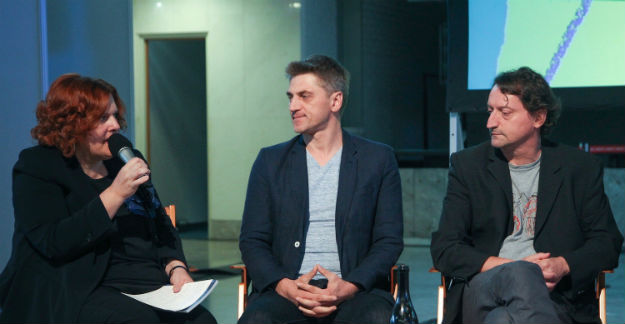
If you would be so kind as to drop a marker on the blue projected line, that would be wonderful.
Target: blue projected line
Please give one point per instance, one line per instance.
(571, 29)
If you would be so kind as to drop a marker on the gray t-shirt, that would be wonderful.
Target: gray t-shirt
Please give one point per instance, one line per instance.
(323, 184)
(520, 243)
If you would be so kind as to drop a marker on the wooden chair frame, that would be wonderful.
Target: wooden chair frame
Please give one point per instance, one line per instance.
(170, 210)
(242, 293)
(600, 291)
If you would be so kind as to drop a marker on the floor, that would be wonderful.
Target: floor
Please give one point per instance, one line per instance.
(213, 258)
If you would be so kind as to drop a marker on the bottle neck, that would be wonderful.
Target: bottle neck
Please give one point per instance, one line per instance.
(403, 282)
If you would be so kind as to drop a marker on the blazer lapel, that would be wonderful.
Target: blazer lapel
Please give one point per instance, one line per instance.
(348, 178)
(499, 170)
(297, 184)
(79, 184)
(549, 183)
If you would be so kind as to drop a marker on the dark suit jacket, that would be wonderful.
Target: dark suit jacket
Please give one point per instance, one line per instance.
(60, 244)
(369, 222)
(573, 220)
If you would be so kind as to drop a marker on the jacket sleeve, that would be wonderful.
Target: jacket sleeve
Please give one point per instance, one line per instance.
(387, 231)
(42, 215)
(602, 239)
(255, 241)
(170, 245)
(452, 250)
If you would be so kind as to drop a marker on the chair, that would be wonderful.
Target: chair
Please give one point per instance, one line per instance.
(442, 293)
(394, 283)
(600, 291)
(170, 210)
(242, 293)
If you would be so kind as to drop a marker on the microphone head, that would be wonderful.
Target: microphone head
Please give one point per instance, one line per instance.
(117, 143)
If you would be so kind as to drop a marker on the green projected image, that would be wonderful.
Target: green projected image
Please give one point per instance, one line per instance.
(572, 43)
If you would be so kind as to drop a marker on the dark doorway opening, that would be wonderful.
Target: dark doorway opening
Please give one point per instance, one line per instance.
(176, 126)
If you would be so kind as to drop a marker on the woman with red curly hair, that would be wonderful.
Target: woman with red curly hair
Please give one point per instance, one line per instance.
(82, 233)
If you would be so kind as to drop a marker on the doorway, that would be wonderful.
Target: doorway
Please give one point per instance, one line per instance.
(176, 126)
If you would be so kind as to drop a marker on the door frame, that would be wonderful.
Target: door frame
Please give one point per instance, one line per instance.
(141, 85)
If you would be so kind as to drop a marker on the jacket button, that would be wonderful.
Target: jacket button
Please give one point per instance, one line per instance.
(296, 244)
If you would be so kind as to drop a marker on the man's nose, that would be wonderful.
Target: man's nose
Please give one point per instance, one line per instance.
(492, 121)
(293, 105)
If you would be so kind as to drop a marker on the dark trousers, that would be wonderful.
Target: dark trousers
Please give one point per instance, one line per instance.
(511, 293)
(270, 307)
(108, 305)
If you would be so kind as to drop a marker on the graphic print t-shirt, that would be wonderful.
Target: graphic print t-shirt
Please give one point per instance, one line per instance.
(520, 243)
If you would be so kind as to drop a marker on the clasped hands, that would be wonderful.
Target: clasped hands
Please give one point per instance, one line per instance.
(554, 269)
(314, 301)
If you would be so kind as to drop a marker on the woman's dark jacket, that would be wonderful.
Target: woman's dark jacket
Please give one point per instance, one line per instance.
(61, 245)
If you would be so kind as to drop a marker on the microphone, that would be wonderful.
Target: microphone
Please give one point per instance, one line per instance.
(121, 147)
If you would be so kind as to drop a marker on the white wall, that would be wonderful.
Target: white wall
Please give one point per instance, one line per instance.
(248, 45)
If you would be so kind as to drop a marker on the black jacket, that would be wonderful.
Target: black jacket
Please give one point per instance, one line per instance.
(60, 243)
(369, 222)
(573, 220)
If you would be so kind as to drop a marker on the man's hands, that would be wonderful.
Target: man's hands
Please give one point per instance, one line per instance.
(337, 288)
(288, 289)
(554, 269)
(537, 257)
(314, 301)
(493, 261)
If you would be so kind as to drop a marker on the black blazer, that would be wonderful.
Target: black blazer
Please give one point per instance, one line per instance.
(60, 244)
(573, 220)
(369, 222)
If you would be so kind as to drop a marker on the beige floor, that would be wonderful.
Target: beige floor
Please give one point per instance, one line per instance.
(216, 256)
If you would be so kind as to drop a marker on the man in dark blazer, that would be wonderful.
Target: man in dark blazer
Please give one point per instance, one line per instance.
(324, 199)
(526, 226)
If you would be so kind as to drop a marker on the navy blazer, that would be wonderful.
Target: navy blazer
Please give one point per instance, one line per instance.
(369, 221)
(573, 220)
(61, 244)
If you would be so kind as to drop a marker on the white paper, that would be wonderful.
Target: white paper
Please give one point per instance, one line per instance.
(191, 295)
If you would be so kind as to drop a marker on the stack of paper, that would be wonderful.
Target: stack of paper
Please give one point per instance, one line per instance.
(191, 295)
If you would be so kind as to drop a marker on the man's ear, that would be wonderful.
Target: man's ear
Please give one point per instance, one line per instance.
(540, 117)
(336, 101)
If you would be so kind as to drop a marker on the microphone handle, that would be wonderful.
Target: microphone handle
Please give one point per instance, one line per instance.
(125, 154)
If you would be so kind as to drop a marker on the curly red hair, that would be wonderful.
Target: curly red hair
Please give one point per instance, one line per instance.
(72, 108)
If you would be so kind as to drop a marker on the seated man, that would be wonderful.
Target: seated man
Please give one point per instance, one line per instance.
(322, 224)
(526, 225)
